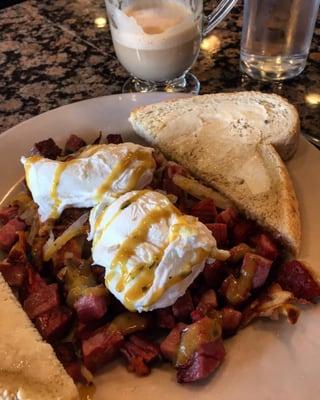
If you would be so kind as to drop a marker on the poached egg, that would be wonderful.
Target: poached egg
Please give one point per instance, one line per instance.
(98, 173)
(150, 250)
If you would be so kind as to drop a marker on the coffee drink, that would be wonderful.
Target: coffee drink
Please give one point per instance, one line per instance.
(156, 40)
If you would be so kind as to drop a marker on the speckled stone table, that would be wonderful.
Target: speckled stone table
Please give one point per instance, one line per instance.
(56, 52)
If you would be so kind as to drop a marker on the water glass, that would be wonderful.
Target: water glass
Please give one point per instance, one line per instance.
(276, 37)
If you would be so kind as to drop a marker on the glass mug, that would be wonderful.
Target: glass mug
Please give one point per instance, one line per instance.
(276, 37)
(157, 41)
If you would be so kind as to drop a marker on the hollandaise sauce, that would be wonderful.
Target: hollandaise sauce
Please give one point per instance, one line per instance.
(29, 162)
(143, 274)
(101, 232)
(121, 166)
(54, 188)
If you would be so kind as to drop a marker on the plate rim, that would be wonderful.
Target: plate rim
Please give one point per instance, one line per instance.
(83, 101)
(184, 391)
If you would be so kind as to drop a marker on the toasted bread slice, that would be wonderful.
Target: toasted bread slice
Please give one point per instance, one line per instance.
(253, 116)
(230, 155)
(29, 369)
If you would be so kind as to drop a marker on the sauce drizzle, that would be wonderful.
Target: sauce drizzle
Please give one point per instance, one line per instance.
(99, 219)
(145, 157)
(27, 166)
(145, 273)
(54, 188)
(121, 166)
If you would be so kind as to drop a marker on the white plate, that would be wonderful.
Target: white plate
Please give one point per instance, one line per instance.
(268, 360)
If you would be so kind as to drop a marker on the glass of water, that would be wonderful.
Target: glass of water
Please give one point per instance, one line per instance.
(276, 37)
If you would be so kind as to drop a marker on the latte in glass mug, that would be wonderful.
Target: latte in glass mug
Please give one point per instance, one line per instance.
(156, 40)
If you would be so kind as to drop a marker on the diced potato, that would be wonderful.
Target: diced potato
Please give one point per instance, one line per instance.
(203, 331)
(129, 322)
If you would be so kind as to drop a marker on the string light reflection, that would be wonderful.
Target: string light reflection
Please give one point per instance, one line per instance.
(211, 44)
(100, 22)
(312, 98)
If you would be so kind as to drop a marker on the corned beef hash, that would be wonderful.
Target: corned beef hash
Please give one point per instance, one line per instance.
(113, 251)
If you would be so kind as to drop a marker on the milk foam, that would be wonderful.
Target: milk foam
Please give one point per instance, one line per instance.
(158, 25)
(156, 40)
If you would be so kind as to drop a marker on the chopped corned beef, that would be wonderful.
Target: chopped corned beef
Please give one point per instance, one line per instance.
(9, 233)
(219, 232)
(214, 274)
(205, 210)
(208, 302)
(14, 274)
(41, 301)
(165, 318)
(203, 362)
(228, 216)
(8, 213)
(47, 148)
(169, 346)
(295, 277)
(253, 274)
(139, 353)
(242, 231)
(266, 246)
(230, 320)
(183, 307)
(74, 143)
(101, 347)
(114, 138)
(90, 307)
(54, 324)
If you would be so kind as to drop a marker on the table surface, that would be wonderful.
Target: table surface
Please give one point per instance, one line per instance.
(56, 52)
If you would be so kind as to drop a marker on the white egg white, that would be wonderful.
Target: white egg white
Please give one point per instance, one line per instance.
(142, 239)
(56, 185)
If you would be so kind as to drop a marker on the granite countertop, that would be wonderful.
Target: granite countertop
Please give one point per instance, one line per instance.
(55, 53)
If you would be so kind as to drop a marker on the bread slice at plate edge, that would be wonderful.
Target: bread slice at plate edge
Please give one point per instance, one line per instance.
(276, 210)
(29, 368)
